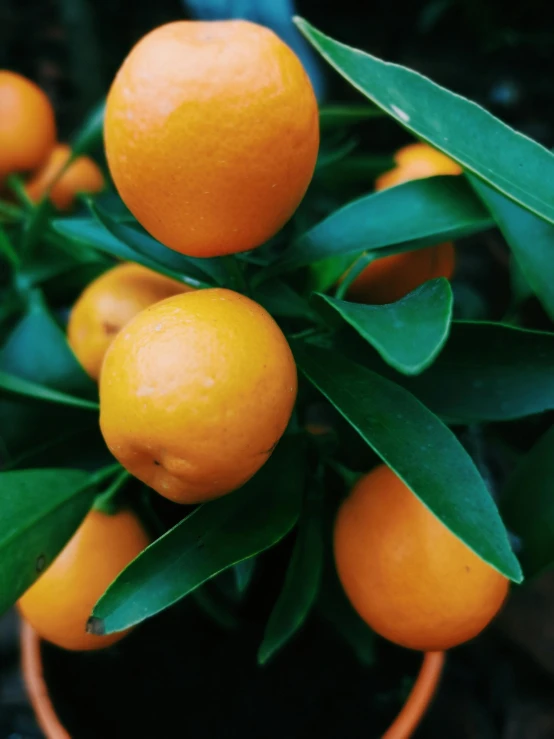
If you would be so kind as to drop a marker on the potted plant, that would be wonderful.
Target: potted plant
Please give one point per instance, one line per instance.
(248, 417)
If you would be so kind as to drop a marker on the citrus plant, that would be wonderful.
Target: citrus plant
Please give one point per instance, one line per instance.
(267, 350)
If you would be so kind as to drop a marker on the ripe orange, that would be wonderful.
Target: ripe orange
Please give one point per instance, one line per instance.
(82, 176)
(195, 393)
(59, 604)
(27, 125)
(405, 573)
(390, 278)
(414, 162)
(211, 133)
(107, 304)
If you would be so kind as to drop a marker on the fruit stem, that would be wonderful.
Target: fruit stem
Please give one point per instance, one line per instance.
(356, 269)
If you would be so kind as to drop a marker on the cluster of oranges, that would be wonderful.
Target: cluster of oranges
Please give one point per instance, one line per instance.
(28, 145)
(211, 137)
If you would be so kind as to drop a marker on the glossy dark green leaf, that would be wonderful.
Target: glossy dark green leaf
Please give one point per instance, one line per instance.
(39, 512)
(433, 210)
(408, 334)
(489, 372)
(527, 505)
(90, 234)
(418, 447)
(339, 116)
(13, 385)
(510, 162)
(141, 242)
(301, 581)
(36, 351)
(485, 372)
(214, 537)
(280, 299)
(530, 238)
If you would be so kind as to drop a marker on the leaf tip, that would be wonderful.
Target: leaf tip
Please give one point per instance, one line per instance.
(96, 626)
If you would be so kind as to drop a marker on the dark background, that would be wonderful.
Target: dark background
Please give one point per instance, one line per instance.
(497, 53)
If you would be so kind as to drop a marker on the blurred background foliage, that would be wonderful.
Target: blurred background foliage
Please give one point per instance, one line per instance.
(494, 52)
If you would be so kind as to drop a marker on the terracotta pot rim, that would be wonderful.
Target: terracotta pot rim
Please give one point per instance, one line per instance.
(403, 726)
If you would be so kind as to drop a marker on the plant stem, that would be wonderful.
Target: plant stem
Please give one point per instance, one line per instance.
(105, 501)
(355, 270)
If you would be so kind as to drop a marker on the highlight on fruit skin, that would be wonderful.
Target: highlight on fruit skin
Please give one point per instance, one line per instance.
(212, 135)
(388, 279)
(107, 304)
(405, 573)
(58, 605)
(83, 176)
(196, 392)
(27, 124)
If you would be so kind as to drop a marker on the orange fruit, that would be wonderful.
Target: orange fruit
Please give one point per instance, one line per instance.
(195, 393)
(405, 573)
(416, 161)
(212, 133)
(27, 125)
(59, 604)
(388, 279)
(107, 304)
(82, 176)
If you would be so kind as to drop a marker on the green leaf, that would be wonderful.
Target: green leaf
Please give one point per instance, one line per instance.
(90, 234)
(433, 210)
(485, 372)
(6, 248)
(89, 136)
(336, 153)
(141, 242)
(13, 385)
(214, 537)
(528, 505)
(339, 116)
(36, 351)
(39, 512)
(301, 582)
(530, 238)
(243, 573)
(489, 372)
(418, 447)
(35, 226)
(408, 334)
(280, 299)
(510, 162)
